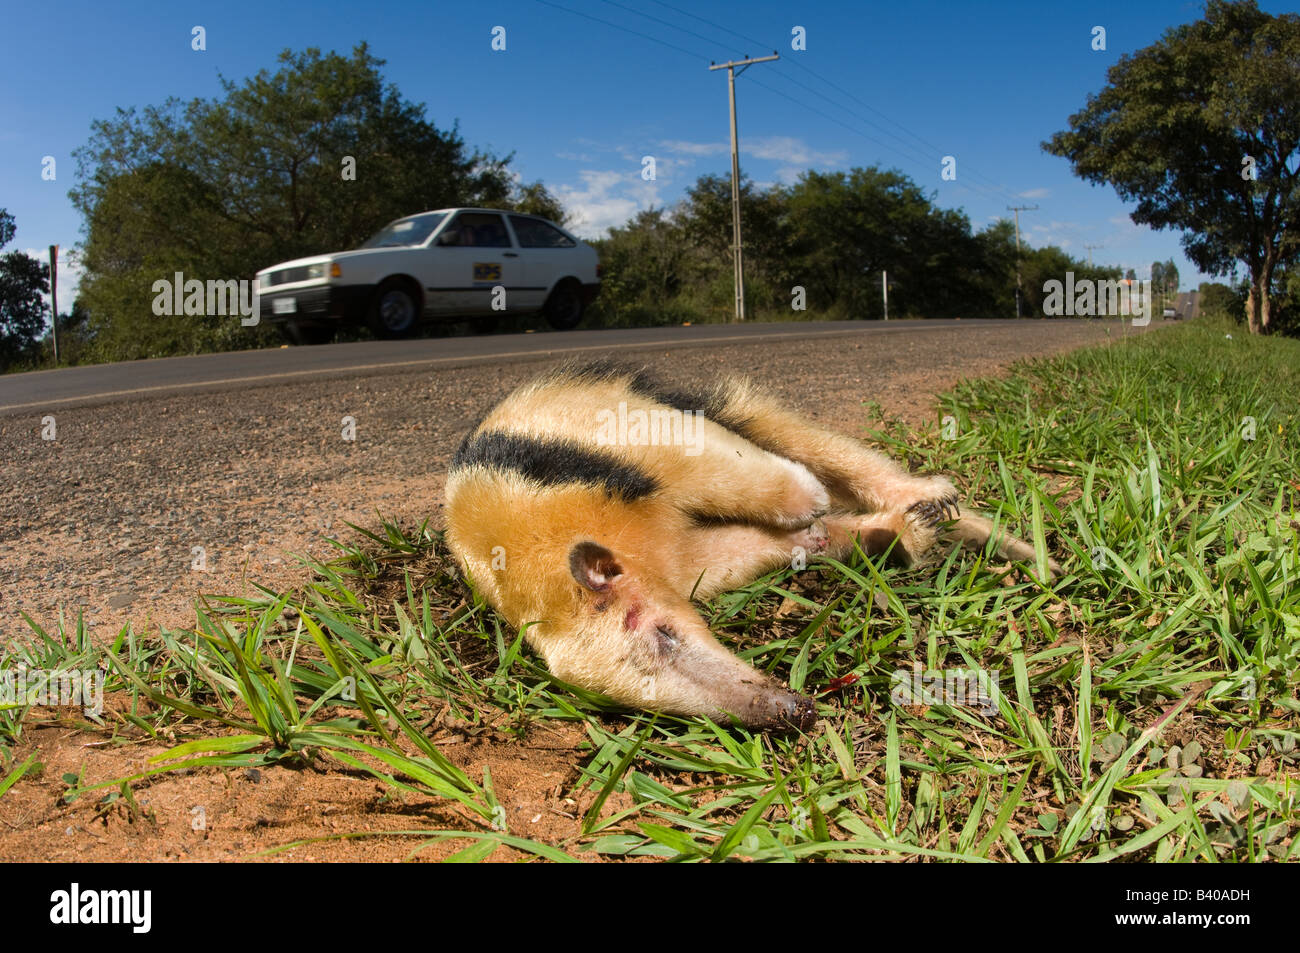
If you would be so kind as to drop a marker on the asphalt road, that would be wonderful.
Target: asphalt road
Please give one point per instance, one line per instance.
(104, 383)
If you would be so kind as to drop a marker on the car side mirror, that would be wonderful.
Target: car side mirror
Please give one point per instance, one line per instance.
(450, 237)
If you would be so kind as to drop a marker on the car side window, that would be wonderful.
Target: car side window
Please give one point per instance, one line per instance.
(533, 233)
(480, 230)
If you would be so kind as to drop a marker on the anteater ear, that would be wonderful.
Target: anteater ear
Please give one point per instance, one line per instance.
(593, 566)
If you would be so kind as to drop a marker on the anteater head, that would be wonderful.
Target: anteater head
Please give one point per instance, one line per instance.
(631, 637)
(570, 540)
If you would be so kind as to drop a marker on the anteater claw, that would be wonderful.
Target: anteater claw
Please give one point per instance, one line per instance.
(934, 512)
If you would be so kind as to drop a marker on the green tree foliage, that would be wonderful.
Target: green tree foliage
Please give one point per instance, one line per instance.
(1218, 299)
(766, 234)
(1051, 263)
(831, 234)
(1171, 278)
(1201, 130)
(311, 158)
(23, 281)
(647, 267)
(536, 199)
(1164, 281)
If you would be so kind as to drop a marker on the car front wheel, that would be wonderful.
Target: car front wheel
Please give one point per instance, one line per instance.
(564, 307)
(395, 310)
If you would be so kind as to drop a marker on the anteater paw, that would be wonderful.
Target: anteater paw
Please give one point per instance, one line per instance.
(934, 512)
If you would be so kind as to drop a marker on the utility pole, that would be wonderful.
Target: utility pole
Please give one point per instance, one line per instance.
(54, 299)
(1018, 209)
(1090, 248)
(730, 67)
(884, 290)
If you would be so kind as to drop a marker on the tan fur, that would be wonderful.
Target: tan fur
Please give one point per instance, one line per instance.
(602, 586)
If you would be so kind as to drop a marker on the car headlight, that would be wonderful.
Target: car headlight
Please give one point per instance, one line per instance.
(316, 271)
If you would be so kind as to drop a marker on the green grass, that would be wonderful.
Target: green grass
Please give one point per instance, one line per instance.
(1144, 705)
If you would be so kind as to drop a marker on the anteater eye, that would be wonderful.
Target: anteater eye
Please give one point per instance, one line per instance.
(667, 638)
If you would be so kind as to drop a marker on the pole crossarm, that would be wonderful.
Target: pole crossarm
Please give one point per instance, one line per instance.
(749, 62)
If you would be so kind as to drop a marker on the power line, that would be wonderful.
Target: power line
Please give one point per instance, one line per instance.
(667, 23)
(988, 193)
(716, 26)
(707, 39)
(617, 26)
(860, 118)
(1002, 191)
(761, 45)
(987, 190)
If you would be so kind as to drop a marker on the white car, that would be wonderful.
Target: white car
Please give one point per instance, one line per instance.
(453, 262)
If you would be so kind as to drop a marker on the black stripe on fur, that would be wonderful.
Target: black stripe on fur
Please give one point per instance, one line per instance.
(553, 462)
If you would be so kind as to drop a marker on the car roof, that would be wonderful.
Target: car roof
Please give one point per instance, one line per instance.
(498, 211)
(469, 208)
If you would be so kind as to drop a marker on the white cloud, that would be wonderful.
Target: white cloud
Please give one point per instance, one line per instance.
(606, 198)
(694, 148)
(793, 151)
(784, 149)
(1034, 194)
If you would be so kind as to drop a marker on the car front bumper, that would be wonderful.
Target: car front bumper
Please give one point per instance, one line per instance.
(320, 304)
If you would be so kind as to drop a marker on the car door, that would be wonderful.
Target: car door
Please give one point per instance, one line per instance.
(471, 258)
(547, 254)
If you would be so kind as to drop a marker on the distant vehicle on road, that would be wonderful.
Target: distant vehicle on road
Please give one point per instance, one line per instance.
(1171, 314)
(474, 263)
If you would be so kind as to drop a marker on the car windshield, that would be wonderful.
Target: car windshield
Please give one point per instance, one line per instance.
(405, 231)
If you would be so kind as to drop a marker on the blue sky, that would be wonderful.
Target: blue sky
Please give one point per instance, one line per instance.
(580, 102)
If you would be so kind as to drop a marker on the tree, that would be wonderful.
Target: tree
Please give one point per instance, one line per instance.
(1201, 131)
(646, 266)
(310, 158)
(1164, 280)
(706, 220)
(23, 281)
(845, 228)
(536, 199)
(1040, 265)
(1171, 277)
(1217, 298)
(1168, 282)
(994, 270)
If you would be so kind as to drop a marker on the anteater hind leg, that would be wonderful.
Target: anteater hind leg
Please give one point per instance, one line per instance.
(738, 485)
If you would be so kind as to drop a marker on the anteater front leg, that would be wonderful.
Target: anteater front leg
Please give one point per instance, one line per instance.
(722, 477)
(714, 559)
(858, 477)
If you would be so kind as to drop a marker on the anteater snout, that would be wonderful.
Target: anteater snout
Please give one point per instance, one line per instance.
(777, 710)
